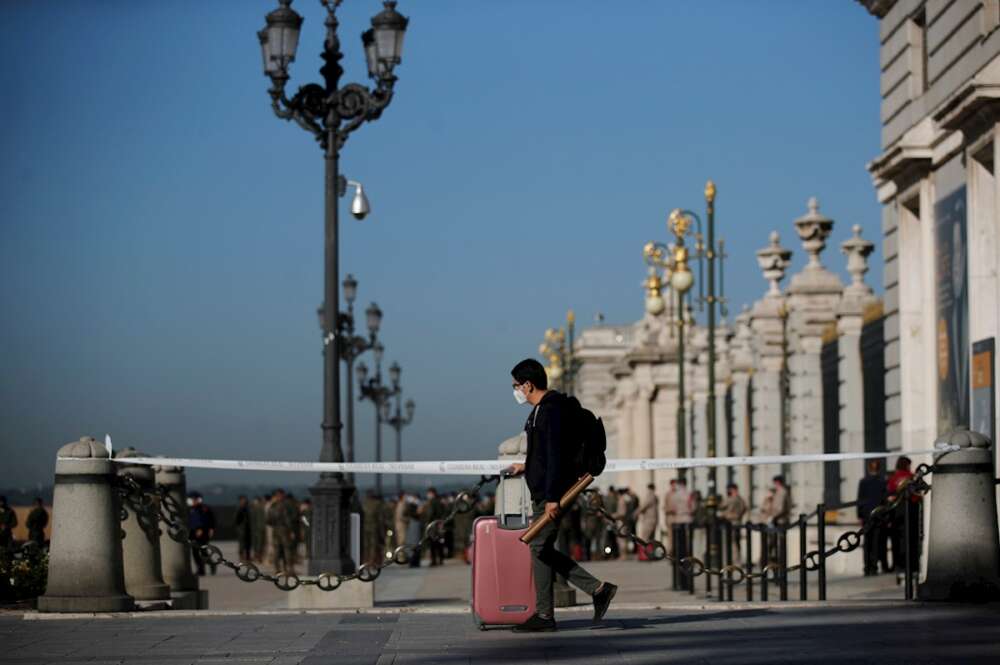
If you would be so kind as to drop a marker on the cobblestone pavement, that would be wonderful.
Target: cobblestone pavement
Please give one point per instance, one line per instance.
(871, 632)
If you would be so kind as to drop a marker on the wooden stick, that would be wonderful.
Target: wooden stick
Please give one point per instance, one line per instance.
(565, 502)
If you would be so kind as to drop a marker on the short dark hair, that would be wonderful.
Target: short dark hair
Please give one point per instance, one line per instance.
(731, 486)
(903, 463)
(530, 369)
(651, 486)
(779, 479)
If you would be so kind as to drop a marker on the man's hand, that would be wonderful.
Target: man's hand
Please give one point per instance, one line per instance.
(552, 510)
(515, 469)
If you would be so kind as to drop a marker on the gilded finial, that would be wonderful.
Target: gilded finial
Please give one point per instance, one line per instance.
(570, 317)
(710, 191)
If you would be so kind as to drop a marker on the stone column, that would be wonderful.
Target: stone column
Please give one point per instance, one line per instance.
(643, 436)
(85, 553)
(766, 325)
(175, 555)
(742, 366)
(813, 297)
(723, 379)
(626, 392)
(699, 396)
(141, 546)
(963, 550)
(850, 318)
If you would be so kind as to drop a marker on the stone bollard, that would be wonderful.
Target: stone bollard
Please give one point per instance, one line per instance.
(141, 546)
(964, 550)
(175, 555)
(85, 553)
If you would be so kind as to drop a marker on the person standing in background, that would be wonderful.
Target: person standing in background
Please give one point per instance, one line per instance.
(281, 517)
(8, 520)
(258, 528)
(401, 518)
(38, 519)
(871, 492)
(649, 514)
(201, 526)
(305, 526)
(732, 510)
(242, 527)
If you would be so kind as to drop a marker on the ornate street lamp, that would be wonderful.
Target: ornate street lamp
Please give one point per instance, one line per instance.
(330, 112)
(558, 350)
(372, 389)
(681, 279)
(352, 346)
(398, 421)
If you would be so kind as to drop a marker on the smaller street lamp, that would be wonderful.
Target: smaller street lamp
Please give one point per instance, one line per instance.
(379, 394)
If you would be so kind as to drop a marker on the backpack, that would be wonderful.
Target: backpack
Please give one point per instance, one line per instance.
(588, 429)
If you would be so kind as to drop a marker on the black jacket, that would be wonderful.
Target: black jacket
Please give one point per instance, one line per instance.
(871, 492)
(552, 448)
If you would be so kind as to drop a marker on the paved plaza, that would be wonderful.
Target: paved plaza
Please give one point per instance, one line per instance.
(873, 632)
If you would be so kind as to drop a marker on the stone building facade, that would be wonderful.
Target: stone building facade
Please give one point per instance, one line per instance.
(936, 181)
(773, 389)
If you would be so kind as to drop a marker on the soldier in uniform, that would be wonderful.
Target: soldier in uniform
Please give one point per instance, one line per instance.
(281, 516)
(371, 525)
(38, 519)
(258, 528)
(430, 511)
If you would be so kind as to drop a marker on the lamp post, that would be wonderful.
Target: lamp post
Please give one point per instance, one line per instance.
(558, 350)
(330, 113)
(352, 346)
(374, 390)
(674, 260)
(398, 421)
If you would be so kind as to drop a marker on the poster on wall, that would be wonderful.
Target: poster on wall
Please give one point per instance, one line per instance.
(952, 311)
(983, 389)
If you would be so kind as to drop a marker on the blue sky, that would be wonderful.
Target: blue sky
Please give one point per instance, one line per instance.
(161, 231)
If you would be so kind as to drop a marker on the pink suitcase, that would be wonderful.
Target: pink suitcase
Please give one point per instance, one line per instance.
(503, 585)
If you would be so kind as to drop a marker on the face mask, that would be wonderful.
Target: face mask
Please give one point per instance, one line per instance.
(519, 396)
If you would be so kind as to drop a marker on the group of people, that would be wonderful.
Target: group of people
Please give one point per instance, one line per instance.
(274, 529)
(37, 520)
(402, 521)
(889, 529)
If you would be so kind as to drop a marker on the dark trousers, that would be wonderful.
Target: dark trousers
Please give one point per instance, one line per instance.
(679, 537)
(199, 560)
(547, 561)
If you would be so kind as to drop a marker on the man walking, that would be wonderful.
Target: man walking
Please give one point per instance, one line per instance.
(549, 471)
(732, 510)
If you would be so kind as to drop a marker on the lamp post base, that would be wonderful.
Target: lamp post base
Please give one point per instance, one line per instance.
(332, 497)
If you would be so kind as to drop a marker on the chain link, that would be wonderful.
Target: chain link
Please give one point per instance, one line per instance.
(159, 505)
(733, 574)
(155, 505)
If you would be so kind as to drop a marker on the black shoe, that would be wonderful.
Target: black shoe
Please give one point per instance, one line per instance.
(536, 624)
(602, 600)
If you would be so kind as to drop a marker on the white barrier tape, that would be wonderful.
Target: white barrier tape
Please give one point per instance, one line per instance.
(493, 467)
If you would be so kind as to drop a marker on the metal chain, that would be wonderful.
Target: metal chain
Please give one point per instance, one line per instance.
(734, 574)
(160, 503)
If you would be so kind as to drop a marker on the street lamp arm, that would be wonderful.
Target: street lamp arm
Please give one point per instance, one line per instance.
(355, 104)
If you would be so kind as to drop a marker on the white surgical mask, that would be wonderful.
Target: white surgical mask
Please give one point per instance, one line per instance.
(519, 396)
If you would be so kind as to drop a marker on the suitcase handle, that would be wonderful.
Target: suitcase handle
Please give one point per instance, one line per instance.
(504, 519)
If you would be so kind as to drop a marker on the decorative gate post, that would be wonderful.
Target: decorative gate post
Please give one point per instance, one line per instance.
(141, 547)
(175, 555)
(85, 554)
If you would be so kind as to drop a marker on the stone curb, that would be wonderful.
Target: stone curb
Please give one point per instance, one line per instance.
(463, 610)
